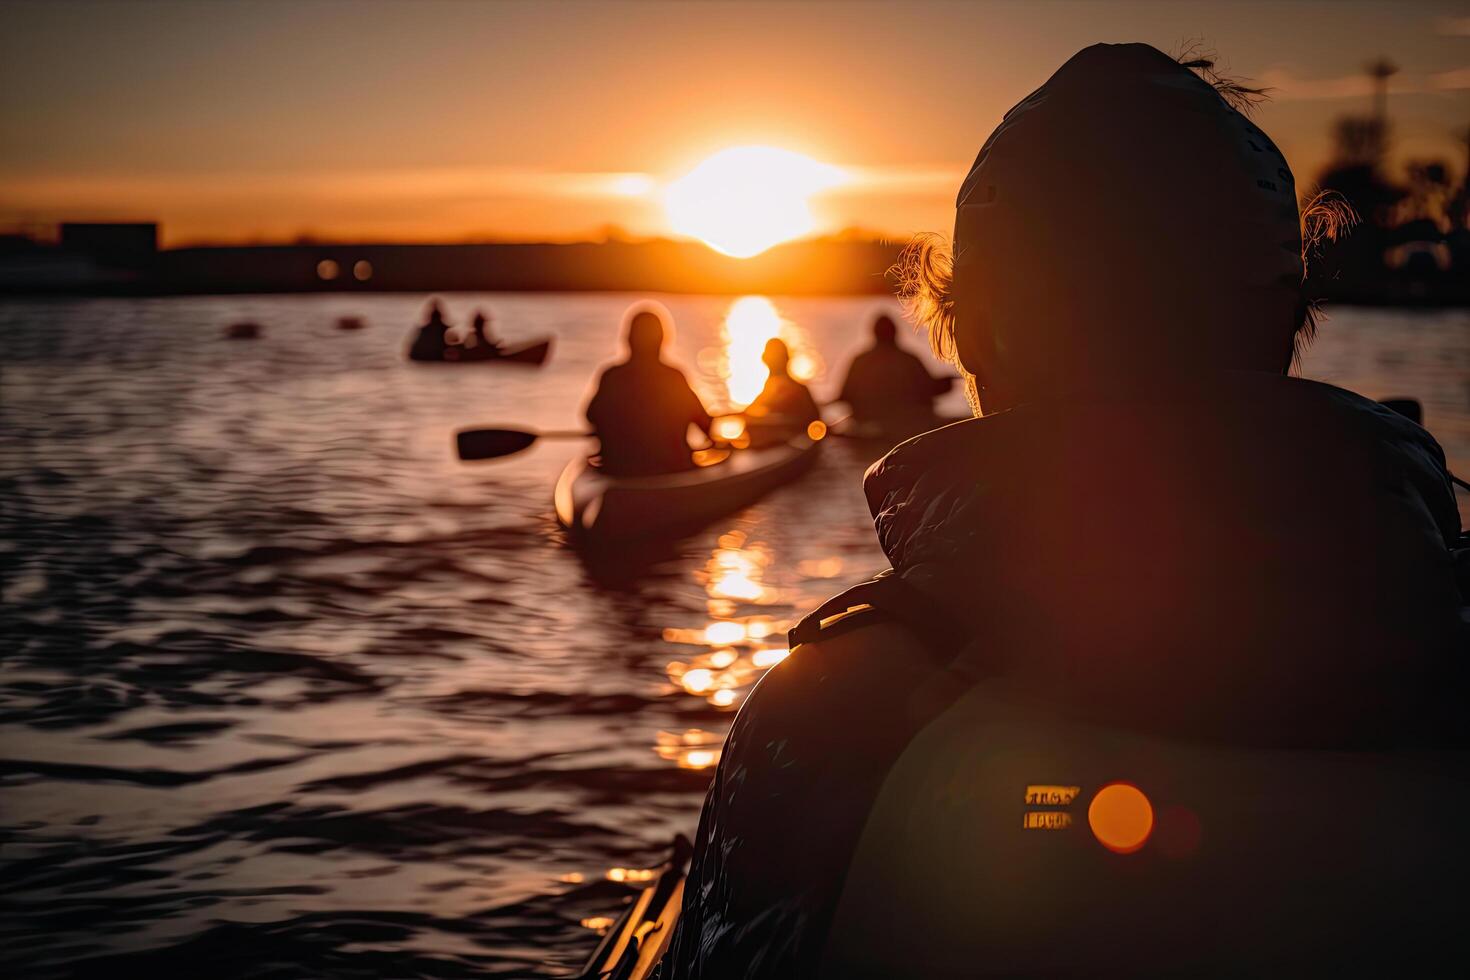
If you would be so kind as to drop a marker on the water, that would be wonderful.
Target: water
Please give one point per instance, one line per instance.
(288, 691)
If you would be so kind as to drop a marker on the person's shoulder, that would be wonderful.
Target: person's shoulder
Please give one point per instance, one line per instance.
(854, 638)
(1337, 413)
(615, 373)
(667, 370)
(849, 666)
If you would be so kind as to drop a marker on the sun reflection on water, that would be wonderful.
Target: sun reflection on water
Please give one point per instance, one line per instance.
(631, 874)
(599, 924)
(737, 644)
(750, 322)
(693, 748)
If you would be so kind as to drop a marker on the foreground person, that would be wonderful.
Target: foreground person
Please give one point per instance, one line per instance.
(785, 406)
(643, 407)
(888, 386)
(1162, 675)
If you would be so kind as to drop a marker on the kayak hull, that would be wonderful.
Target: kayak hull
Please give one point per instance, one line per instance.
(635, 943)
(597, 508)
(530, 354)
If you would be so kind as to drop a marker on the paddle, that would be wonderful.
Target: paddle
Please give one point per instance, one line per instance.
(495, 443)
(477, 444)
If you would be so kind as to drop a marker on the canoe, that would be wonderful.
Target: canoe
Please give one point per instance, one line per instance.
(532, 353)
(638, 939)
(597, 508)
(350, 323)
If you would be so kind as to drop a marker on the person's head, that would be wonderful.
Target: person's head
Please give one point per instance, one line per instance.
(646, 328)
(776, 356)
(885, 331)
(1124, 219)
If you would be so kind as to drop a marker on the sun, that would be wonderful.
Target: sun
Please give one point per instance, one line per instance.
(743, 200)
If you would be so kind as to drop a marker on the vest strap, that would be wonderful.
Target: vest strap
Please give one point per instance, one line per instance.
(891, 597)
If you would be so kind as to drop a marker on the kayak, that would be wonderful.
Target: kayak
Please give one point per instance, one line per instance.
(597, 508)
(640, 936)
(531, 353)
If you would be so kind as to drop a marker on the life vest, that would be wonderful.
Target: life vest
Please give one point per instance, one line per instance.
(1011, 839)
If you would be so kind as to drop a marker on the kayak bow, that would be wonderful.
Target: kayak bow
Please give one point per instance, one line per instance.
(598, 508)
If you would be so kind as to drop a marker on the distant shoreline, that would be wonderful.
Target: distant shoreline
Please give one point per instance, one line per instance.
(816, 267)
(795, 268)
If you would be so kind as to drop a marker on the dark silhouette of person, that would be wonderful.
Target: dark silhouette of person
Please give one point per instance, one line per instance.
(1156, 556)
(888, 385)
(785, 406)
(643, 406)
(483, 340)
(432, 339)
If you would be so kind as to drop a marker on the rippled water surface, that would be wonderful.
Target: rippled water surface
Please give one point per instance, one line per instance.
(289, 691)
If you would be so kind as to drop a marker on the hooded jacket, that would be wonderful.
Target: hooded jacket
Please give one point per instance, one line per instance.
(1233, 558)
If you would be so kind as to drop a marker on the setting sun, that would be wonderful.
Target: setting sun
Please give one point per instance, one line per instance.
(743, 200)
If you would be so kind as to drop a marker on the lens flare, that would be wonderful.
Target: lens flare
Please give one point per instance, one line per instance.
(1121, 817)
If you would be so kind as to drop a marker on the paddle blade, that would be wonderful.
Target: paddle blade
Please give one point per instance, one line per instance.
(492, 443)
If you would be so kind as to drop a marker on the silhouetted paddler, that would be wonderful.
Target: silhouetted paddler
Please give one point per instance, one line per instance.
(643, 407)
(784, 406)
(888, 385)
(431, 341)
(482, 339)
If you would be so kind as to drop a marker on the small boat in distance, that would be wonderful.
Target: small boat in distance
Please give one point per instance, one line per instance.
(532, 353)
(350, 323)
(244, 330)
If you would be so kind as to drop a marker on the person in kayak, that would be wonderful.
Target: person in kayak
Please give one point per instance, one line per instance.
(432, 339)
(1152, 535)
(480, 338)
(643, 406)
(887, 385)
(785, 406)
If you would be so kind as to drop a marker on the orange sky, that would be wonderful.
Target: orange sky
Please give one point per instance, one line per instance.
(458, 120)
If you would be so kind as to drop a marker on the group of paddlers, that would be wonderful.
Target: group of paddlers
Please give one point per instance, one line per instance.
(437, 340)
(643, 407)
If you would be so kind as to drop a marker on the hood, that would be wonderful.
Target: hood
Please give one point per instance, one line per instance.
(1121, 191)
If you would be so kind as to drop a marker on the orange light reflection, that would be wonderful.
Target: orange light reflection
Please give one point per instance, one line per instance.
(750, 322)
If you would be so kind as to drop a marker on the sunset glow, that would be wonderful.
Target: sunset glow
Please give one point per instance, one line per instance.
(743, 200)
(332, 144)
